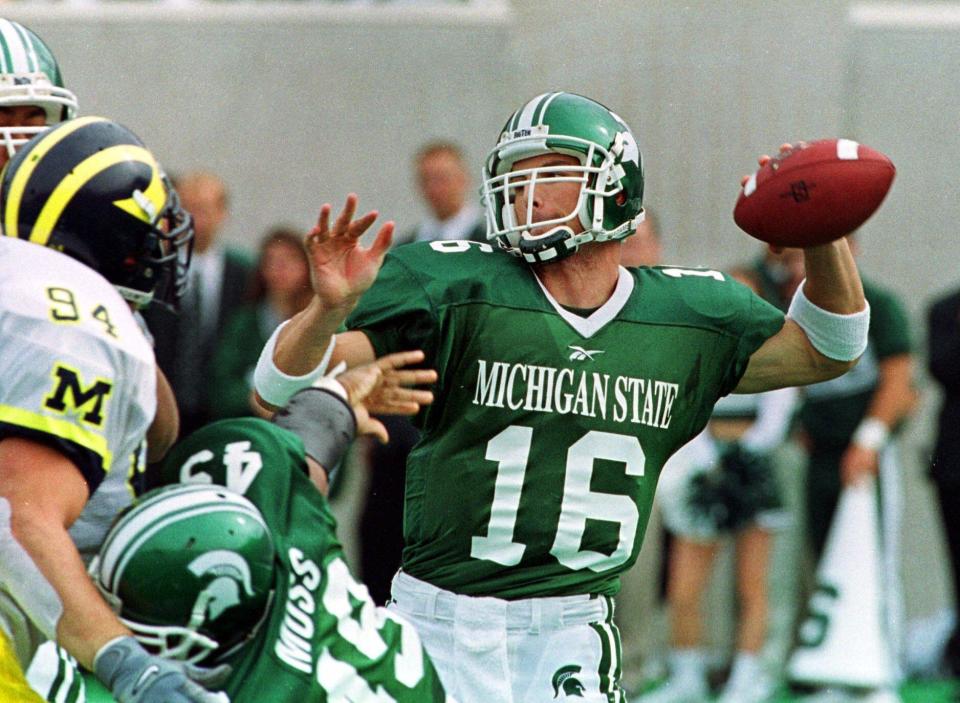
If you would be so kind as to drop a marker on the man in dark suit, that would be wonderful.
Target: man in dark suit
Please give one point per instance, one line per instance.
(444, 183)
(943, 328)
(217, 284)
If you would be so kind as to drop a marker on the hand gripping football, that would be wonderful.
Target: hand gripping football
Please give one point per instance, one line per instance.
(813, 193)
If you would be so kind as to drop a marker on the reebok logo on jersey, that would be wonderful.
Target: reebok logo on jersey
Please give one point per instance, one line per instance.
(581, 354)
(564, 682)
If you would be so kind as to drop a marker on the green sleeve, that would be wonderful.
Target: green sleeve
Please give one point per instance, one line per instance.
(889, 325)
(397, 313)
(756, 322)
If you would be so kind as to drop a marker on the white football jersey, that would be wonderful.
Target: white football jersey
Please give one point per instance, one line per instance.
(76, 373)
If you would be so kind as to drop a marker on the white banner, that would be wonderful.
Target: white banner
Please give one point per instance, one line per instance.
(843, 639)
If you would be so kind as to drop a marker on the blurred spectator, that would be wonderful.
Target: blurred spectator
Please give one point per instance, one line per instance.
(778, 273)
(944, 347)
(217, 283)
(643, 248)
(280, 289)
(849, 421)
(444, 184)
(849, 427)
(723, 484)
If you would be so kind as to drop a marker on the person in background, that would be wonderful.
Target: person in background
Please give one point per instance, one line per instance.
(443, 182)
(217, 285)
(943, 335)
(280, 289)
(778, 272)
(849, 428)
(723, 485)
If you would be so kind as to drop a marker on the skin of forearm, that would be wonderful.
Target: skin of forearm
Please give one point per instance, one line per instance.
(833, 282)
(87, 622)
(303, 342)
(165, 427)
(895, 397)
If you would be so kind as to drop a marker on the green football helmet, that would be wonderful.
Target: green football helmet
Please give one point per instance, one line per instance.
(610, 174)
(29, 75)
(189, 569)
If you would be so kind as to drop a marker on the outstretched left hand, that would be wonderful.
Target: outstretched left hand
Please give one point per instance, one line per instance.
(385, 387)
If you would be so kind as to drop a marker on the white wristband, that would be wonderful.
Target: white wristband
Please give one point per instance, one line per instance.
(836, 336)
(276, 387)
(329, 383)
(871, 434)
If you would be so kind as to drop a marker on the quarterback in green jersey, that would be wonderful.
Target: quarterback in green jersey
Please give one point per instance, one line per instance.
(237, 568)
(565, 383)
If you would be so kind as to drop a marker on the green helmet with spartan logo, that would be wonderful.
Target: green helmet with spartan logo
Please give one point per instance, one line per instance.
(190, 571)
(610, 175)
(29, 75)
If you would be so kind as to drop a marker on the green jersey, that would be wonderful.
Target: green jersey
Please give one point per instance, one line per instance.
(323, 638)
(539, 457)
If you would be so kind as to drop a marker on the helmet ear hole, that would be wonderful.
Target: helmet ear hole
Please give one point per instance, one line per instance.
(621, 198)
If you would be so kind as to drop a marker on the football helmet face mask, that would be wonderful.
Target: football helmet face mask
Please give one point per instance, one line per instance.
(610, 176)
(189, 569)
(29, 75)
(91, 189)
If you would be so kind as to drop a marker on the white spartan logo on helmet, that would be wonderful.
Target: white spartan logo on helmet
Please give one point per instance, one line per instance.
(223, 592)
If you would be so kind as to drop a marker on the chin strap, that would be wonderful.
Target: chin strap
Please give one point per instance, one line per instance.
(559, 243)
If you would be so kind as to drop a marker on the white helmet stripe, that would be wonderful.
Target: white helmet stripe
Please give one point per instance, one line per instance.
(4, 27)
(543, 110)
(15, 49)
(525, 116)
(33, 63)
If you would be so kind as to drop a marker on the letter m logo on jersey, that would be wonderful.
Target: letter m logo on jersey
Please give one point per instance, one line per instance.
(70, 395)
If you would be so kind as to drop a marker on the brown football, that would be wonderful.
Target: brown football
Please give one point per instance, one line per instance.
(814, 193)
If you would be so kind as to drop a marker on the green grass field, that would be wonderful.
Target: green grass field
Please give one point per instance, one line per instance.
(934, 692)
(915, 692)
(925, 692)
(920, 692)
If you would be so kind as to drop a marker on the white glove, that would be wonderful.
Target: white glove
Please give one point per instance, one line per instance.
(133, 675)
